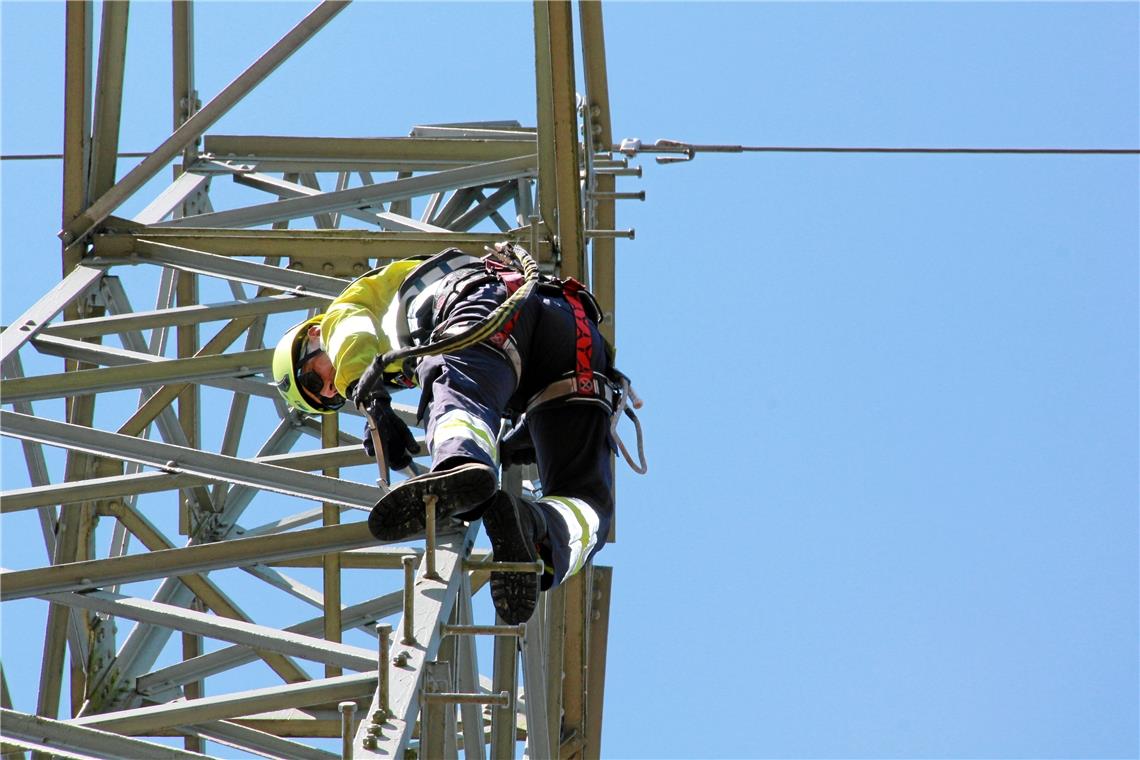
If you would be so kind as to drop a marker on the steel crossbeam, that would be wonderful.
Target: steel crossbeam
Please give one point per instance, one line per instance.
(258, 742)
(180, 191)
(189, 260)
(134, 369)
(367, 195)
(95, 573)
(185, 315)
(144, 720)
(149, 482)
(27, 325)
(60, 739)
(364, 154)
(233, 656)
(283, 189)
(178, 459)
(234, 631)
(320, 245)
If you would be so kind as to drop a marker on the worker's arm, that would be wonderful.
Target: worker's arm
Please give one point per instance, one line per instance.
(354, 336)
(352, 331)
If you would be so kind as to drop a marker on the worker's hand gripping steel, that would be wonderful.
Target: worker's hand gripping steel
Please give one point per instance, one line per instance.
(387, 434)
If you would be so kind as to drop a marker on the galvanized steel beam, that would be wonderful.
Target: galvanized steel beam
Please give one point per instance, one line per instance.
(220, 660)
(155, 371)
(559, 183)
(433, 602)
(206, 591)
(144, 720)
(188, 260)
(599, 626)
(171, 199)
(78, 282)
(538, 730)
(177, 459)
(198, 314)
(200, 121)
(349, 252)
(61, 739)
(80, 576)
(599, 123)
(18, 499)
(367, 195)
(574, 659)
(571, 240)
(257, 742)
(283, 189)
(547, 160)
(108, 97)
(76, 161)
(76, 116)
(273, 153)
(234, 631)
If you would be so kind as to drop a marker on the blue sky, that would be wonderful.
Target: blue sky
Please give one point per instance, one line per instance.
(891, 400)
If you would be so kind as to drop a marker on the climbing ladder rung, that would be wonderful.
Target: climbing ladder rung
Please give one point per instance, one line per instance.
(502, 699)
(485, 630)
(504, 567)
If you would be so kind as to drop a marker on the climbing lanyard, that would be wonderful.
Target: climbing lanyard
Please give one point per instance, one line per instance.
(627, 395)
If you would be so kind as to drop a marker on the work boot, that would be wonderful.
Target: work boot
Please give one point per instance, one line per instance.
(401, 513)
(515, 529)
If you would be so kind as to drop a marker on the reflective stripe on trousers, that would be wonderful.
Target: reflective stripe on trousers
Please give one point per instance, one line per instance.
(582, 524)
(456, 423)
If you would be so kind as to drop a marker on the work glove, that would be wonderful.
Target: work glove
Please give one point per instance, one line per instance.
(517, 447)
(371, 397)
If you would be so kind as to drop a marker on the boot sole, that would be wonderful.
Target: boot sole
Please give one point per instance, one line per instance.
(401, 514)
(515, 595)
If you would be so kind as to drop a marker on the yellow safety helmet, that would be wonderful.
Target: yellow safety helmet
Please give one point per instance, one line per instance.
(289, 356)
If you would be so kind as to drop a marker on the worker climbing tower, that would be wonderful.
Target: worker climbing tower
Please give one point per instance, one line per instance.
(209, 575)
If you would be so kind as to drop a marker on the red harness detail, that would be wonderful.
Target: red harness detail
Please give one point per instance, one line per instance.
(584, 339)
(512, 279)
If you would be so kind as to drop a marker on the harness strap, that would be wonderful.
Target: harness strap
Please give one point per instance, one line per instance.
(511, 277)
(568, 388)
(584, 339)
(613, 393)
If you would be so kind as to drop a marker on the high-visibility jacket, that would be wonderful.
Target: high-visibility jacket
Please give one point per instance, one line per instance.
(352, 331)
(388, 308)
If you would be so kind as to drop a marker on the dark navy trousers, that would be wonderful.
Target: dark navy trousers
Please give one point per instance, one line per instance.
(467, 394)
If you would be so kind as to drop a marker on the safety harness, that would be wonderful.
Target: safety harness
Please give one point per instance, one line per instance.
(519, 274)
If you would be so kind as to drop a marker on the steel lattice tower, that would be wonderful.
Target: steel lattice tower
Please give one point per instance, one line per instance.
(161, 379)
